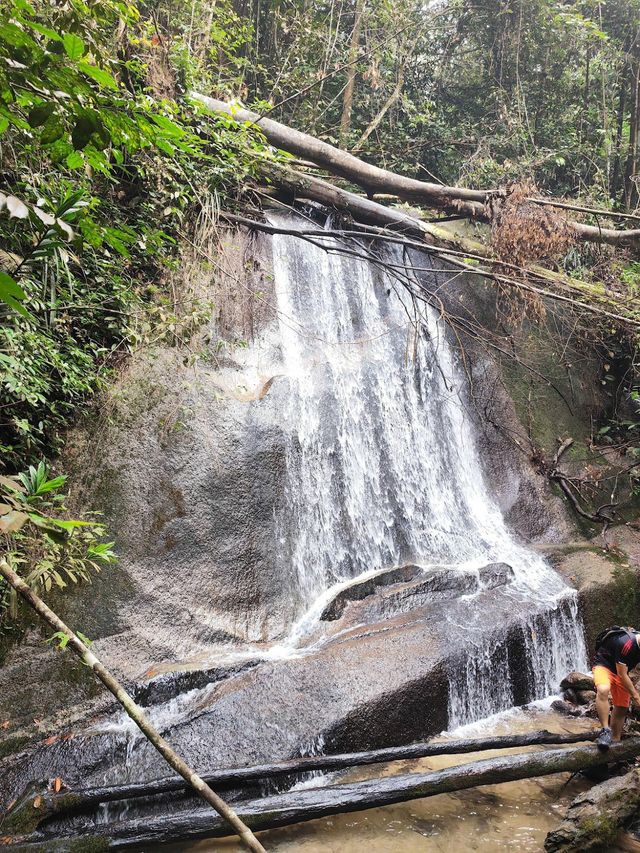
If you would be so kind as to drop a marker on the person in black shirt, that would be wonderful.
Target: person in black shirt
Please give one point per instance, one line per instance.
(618, 653)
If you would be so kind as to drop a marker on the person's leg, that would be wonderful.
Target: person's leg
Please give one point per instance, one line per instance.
(602, 679)
(618, 716)
(621, 700)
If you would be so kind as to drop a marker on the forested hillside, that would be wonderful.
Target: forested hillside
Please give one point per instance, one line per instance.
(106, 159)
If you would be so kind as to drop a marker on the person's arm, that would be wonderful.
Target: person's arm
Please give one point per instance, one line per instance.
(623, 672)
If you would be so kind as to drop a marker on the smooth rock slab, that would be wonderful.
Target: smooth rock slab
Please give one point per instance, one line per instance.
(361, 589)
(372, 686)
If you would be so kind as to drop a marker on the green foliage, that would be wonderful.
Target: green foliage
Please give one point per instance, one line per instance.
(45, 549)
(100, 173)
(490, 92)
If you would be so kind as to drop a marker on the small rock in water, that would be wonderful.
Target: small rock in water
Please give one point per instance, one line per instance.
(565, 708)
(570, 696)
(584, 697)
(577, 681)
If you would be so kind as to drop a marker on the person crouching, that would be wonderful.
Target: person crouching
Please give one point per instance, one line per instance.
(617, 652)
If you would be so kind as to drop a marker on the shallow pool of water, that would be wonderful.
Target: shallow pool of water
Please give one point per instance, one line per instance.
(511, 816)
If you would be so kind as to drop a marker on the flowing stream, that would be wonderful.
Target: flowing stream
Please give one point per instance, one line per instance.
(382, 466)
(513, 816)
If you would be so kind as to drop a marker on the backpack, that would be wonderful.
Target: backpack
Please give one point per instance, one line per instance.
(613, 631)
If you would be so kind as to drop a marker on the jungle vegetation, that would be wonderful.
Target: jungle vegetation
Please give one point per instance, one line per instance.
(106, 160)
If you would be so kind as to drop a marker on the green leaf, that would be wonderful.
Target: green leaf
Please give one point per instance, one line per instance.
(39, 115)
(69, 525)
(52, 131)
(165, 146)
(12, 294)
(17, 306)
(9, 287)
(103, 78)
(170, 127)
(44, 31)
(81, 133)
(88, 643)
(61, 638)
(89, 128)
(40, 520)
(73, 45)
(75, 160)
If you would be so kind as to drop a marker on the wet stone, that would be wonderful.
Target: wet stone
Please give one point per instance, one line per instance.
(366, 587)
(496, 574)
(565, 708)
(585, 697)
(577, 681)
(570, 696)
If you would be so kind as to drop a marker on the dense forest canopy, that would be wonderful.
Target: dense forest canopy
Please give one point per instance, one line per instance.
(107, 161)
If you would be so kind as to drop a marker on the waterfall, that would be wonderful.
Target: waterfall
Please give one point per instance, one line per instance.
(382, 466)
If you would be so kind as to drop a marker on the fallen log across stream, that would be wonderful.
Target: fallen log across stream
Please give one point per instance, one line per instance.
(309, 804)
(49, 803)
(474, 204)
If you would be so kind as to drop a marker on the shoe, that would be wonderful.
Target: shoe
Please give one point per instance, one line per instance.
(604, 738)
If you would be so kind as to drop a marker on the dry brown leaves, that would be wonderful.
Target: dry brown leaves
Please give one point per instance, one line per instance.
(522, 232)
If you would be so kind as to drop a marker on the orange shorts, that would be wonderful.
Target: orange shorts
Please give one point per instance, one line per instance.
(620, 696)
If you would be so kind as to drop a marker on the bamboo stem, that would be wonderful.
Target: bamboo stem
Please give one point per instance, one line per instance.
(133, 710)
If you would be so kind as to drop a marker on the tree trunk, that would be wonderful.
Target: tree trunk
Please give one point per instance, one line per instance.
(134, 711)
(391, 100)
(347, 97)
(631, 169)
(594, 818)
(372, 179)
(587, 296)
(617, 156)
(303, 805)
(74, 801)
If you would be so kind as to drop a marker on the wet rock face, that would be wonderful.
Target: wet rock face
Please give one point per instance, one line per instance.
(361, 589)
(190, 478)
(594, 818)
(371, 685)
(396, 591)
(577, 681)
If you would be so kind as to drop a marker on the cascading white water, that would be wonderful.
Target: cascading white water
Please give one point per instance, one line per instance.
(382, 465)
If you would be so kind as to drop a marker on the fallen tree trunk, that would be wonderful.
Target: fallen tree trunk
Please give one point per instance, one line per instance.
(228, 816)
(74, 801)
(373, 179)
(594, 818)
(370, 178)
(304, 805)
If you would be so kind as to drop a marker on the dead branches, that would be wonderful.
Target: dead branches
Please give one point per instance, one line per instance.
(604, 514)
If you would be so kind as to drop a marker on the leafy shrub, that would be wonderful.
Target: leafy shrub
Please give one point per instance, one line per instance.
(46, 549)
(98, 179)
